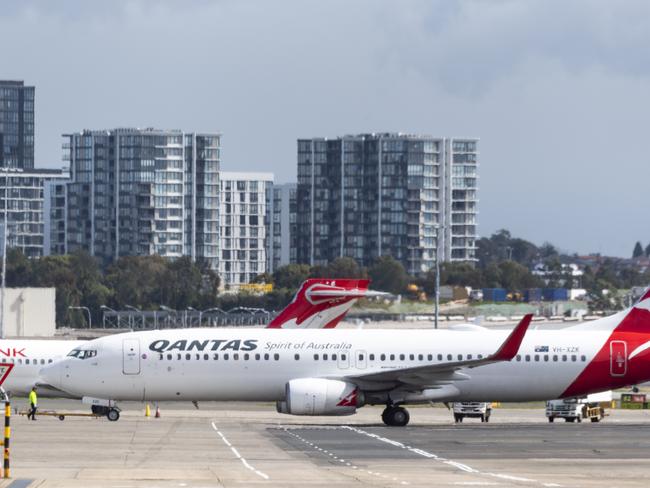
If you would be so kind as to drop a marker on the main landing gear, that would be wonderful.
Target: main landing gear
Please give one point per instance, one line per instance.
(395, 416)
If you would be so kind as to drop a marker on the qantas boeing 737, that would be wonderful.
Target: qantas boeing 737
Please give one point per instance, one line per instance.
(334, 372)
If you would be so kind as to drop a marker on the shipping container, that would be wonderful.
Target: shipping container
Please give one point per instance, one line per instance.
(494, 294)
(555, 294)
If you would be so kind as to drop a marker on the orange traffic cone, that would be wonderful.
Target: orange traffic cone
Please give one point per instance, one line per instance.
(157, 412)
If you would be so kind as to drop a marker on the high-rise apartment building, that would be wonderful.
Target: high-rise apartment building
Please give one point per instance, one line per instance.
(281, 225)
(16, 125)
(400, 195)
(243, 228)
(27, 207)
(141, 192)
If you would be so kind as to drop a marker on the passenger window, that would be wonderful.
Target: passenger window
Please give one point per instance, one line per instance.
(583, 358)
(420, 357)
(401, 357)
(246, 357)
(480, 356)
(257, 357)
(206, 357)
(449, 357)
(460, 357)
(382, 357)
(276, 356)
(343, 357)
(296, 357)
(20, 361)
(26, 361)
(392, 357)
(226, 357)
(325, 357)
(179, 356)
(411, 357)
(574, 358)
(554, 357)
(235, 356)
(518, 357)
(360, 357)
(536, 357)
(333, 357)
(564, 358)
(546, 357)
(215, 357)
(469, 356)
(371, 357)
(439, 357)
(188, 356)
(315, 357)
(49, 361)
(527, 357)
(266, 357)
(43, 361)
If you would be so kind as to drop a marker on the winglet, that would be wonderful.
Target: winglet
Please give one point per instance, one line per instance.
(510, 346)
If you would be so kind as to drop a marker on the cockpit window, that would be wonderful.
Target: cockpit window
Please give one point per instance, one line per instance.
(83, 353)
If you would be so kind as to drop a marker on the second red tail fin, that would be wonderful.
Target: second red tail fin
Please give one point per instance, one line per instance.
(321, 303)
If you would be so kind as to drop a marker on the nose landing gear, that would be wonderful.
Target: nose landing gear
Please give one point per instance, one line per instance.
(395, 416)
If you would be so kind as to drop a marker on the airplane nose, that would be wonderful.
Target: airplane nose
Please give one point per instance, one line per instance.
(52, 374)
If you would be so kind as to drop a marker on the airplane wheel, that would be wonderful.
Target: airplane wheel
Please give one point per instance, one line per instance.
(396, 417)
(551, 419)
(579, 419)
(457, 418)
(113, 415)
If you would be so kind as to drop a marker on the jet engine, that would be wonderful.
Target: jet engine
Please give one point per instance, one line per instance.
(319, 396)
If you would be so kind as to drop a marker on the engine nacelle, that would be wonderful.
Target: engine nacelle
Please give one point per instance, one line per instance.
(319, 396)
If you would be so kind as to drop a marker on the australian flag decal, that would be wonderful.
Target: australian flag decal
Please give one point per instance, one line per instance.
(541, 348)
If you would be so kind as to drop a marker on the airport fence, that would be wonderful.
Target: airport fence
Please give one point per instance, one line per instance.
(175, 319)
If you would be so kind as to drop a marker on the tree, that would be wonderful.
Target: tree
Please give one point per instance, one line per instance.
(638, 250)
(290, 276)
(388, 274)
(647, 251)
(344, 267)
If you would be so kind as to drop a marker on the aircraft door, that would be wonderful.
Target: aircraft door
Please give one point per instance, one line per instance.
(361, 361)
(618, 358)
(344, 360)
(131, 356)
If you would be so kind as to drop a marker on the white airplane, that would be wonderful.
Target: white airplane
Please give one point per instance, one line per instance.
(319, 303)
(316, 372)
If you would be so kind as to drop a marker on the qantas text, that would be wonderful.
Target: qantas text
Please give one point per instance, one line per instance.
(163, 345)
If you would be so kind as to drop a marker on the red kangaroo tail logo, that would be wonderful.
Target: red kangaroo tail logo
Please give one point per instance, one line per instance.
(624, 358)
(320, 304)
(350, 400)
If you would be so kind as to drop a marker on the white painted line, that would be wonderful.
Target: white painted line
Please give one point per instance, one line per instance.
(460, 466)
(238, 455)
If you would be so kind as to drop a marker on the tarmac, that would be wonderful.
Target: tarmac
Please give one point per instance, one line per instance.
(242, 444)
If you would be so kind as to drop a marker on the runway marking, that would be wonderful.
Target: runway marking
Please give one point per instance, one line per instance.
(238, 455)
(341, 460)
(460, 466)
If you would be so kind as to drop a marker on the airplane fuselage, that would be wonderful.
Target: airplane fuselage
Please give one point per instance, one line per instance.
(255, 365)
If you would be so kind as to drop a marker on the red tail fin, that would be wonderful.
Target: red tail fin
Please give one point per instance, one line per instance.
(321, 304)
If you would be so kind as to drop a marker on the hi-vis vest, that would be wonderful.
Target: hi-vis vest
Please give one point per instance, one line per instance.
(32, 397)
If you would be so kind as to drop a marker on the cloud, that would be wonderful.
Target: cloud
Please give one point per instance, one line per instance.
(556, 90)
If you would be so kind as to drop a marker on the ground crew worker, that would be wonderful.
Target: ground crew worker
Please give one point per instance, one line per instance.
(33, 402)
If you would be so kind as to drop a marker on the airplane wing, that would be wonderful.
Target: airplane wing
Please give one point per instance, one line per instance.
(444, 373)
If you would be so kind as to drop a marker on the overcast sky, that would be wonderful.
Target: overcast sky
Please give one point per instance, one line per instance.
(557, 91)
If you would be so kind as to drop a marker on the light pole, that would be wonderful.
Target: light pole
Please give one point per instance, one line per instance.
(90, 319)
(131, 318)
(437, 264)
(105, 308)
(4, 259)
